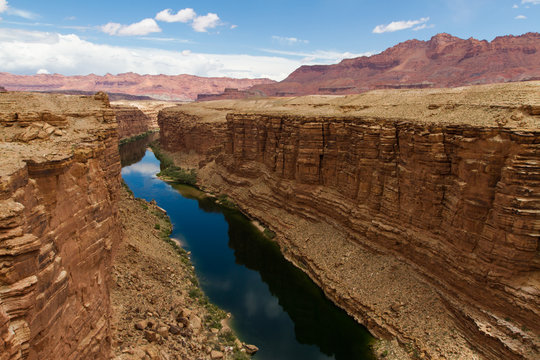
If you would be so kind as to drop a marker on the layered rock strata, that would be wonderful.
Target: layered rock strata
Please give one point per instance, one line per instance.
(138, 116)
(417, 211)
(59, 182)
(442, 61)
(131, 121)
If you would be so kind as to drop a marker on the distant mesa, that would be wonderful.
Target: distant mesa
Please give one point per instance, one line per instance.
(159, 87)
(2, 89)
(442, 61)
(231, 94)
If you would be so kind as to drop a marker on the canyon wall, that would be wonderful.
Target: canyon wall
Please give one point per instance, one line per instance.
(445, 181)
(59, 182)
(132, 121)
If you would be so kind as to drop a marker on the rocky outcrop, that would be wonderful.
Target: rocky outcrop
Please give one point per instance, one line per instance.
(132, 121)
(59, 182)
(162, 87)
(443, 61)
(444, 181)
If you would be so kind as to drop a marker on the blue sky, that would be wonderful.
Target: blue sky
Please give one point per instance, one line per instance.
(238, 38)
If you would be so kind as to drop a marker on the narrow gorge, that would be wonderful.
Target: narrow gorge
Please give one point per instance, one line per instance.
(416, 210)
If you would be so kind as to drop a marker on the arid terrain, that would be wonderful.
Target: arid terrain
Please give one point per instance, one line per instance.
(414, 210)
(155, 313)
(88, 272)
(442, 61)
(159, 87)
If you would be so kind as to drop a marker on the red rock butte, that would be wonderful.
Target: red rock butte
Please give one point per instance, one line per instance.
(443, 61)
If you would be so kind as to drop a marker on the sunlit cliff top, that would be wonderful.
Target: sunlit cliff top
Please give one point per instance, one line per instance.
(508, 105)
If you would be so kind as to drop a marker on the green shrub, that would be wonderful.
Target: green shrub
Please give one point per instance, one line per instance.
(171, 171)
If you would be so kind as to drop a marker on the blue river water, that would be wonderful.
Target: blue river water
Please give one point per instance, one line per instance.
(273, 304)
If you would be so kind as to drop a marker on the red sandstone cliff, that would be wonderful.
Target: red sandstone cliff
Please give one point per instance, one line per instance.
(443, 61)
(132, 121)
(164, 87)
(59, 182)
(445, 181)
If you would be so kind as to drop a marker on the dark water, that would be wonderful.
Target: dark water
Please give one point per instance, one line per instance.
(133, 151)
(273, 304)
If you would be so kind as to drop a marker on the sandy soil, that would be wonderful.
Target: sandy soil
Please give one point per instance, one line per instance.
(494, 105)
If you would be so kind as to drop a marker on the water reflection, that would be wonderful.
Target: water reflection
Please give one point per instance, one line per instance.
(133, 151)
(274, 304)
(317, 321)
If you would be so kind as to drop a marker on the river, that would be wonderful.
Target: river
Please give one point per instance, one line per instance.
(273, 304)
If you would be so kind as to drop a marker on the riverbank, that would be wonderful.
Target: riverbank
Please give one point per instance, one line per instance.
(351, 276)
(159, 310)
(137, 137)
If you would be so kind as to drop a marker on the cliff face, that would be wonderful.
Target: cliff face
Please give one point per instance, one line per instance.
(443, 61)
(59, 182)
(187, 133)
(162, 87)
(138, 116)
(132, 121)
(444, 180)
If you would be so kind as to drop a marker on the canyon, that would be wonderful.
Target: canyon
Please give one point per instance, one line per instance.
(415, 210)
(77, 249)
(59, 188)
(158, 87)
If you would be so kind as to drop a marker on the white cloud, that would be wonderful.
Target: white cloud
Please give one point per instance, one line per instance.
(424, 26)
(534, 2)
(319, 56)
(143, 27)
(399, 25)
(162, 39)
(4, 7)
(183, 16)
(21, 13)
(25, 52)
(42, 71)
(234, 26)
(520, 17)
(203, 23)
(289, 40)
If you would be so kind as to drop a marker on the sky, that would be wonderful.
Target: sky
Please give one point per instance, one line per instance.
(235, 38)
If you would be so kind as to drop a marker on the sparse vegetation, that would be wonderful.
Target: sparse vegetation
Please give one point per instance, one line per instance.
(269, 233)
(171, 172)
(136, 137)
(224, 200)
(126, 187)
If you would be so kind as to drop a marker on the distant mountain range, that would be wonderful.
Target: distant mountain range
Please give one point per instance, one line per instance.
(443, 61)
(163, 87)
